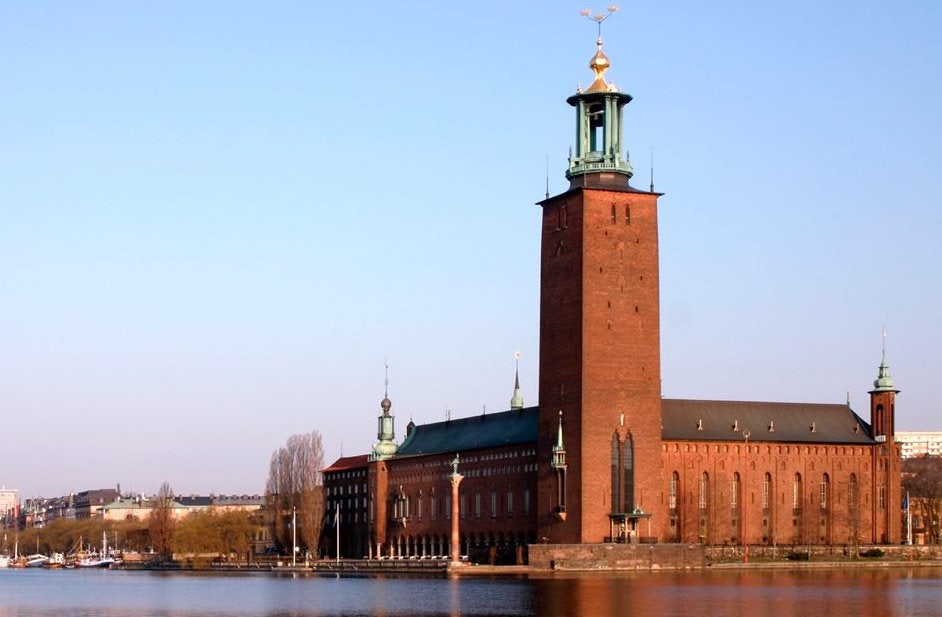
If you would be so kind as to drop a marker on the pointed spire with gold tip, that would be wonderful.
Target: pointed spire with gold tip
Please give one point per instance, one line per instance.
(599, 63)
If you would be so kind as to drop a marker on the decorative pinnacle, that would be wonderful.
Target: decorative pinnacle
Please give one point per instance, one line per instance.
(599, 18)
(386, 404)
(599, 63)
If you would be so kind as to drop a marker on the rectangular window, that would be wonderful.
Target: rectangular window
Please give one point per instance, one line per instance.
(433, 506)
(672, 495)
(493, 502)
(510, 502)
(447, 507)
(734, 495)
(881, 497)
(526, 500)
(462, 506)
(823, 496)
(477, 505)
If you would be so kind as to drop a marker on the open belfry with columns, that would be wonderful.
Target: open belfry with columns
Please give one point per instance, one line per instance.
(604, 458)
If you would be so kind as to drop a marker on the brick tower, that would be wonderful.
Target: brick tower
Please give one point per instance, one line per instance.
(887, 517)
(600, 401)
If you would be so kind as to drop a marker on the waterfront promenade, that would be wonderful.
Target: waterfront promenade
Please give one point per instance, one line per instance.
(592, 558)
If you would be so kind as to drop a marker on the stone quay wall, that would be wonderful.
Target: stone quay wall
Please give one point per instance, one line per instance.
(617, 556)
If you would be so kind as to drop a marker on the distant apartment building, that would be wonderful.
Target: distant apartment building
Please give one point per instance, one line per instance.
(9, 505)
(109, 504)
(920, 443)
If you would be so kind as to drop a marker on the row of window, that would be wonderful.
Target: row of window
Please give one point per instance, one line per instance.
(786, 449)
(343, 475)
(480, 472)
(407, 507)
(735, 493)
(351, 489)
(467, 460)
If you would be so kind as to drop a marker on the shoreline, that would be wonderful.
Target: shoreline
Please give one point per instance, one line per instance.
(446, 569)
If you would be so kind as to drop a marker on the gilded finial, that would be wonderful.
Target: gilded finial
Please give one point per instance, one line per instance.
(599, 63)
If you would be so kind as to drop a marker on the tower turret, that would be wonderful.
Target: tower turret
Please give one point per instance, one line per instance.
(386, 428)
(887, 467)
(883, 402)
(598, 158)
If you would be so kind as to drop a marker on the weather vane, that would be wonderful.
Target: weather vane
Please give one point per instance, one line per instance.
(599, 17)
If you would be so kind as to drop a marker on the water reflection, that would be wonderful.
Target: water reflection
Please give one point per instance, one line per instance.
(867, 592)
(883, 592)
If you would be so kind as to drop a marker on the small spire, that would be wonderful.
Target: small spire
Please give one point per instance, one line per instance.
(559, 436)
(547, 173)
(516, 401)
(883, 382)
(652, 171)
(559, 452)
(386, 404)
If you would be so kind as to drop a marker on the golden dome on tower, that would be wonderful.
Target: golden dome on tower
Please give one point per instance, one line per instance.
(599, 64)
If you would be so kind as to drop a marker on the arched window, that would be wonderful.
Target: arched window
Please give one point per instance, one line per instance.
(734, 492)
(703, 494)
(767, 491)
(672, 492)
(616, 485)
(825, 489)
(595, 115)
(796, 492)
(628, 478)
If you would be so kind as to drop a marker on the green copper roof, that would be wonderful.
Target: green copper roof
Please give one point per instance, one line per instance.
(883, 382)
(484, 431)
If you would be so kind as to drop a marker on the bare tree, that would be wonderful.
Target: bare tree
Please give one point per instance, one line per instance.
(295, 487)
(161, 521)
(922, 478)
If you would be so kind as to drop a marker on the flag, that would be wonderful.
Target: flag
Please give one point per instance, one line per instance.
(336, 516)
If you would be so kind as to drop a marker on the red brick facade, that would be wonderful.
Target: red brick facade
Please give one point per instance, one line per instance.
(631, 466)
(599, 353)
(780, 493)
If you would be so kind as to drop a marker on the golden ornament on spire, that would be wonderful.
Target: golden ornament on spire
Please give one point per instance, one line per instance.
(599, 63)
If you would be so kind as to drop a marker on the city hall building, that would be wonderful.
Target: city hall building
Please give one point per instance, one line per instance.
(603, 457)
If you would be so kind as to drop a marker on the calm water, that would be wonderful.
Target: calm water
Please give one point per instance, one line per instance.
(77, 593)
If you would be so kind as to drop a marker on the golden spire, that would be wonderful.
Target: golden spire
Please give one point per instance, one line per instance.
(599, 63)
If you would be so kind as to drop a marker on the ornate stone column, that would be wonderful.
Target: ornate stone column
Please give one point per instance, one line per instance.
(456, 479)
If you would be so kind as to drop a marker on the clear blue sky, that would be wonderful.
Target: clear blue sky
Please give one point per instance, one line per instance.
(218, 218)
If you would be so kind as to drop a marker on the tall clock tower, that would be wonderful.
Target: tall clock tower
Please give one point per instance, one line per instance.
(600, 396)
